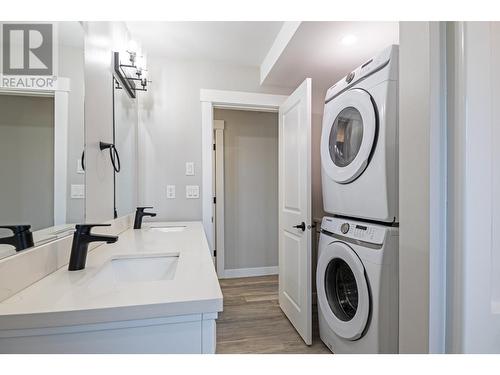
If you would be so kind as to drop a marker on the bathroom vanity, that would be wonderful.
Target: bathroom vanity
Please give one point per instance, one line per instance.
(154, 291)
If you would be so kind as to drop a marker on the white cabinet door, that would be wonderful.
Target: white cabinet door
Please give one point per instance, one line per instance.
(295, 209)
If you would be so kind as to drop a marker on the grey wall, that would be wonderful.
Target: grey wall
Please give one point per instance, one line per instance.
(251, 188)
(170, 128)
(101, 39)
(317, 191)
(71, 65)
(126, 144)
(413, 198)
(422, 187)
(27, 160)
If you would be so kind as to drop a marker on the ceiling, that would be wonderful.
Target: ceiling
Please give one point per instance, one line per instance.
(241, 43)
(318, 50)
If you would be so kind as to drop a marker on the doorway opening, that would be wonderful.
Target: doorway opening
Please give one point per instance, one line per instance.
(27, 129)
(294, 190)
(246, 192)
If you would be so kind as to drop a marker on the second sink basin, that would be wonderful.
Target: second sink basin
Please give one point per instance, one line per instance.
(142, 268)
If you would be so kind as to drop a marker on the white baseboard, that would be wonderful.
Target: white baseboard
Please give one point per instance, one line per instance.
(249, 272)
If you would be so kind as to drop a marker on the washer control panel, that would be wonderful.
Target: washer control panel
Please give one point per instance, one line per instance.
(356, 230)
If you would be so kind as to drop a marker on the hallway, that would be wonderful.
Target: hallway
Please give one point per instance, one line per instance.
(252, 321)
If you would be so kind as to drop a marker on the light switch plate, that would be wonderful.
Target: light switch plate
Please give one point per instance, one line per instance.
(189, 168)
(192, 191)
(170, 191)
(77, 191)
(79, 167)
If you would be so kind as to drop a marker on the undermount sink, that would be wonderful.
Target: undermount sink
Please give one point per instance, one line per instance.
(141, 268)
(169, 228)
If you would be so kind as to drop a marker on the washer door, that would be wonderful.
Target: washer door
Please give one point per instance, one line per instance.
(348, 135)
(343, 290)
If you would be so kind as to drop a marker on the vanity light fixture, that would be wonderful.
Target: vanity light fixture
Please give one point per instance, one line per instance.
(133, 75)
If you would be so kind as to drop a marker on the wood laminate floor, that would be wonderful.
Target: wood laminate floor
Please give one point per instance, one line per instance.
(252, 321)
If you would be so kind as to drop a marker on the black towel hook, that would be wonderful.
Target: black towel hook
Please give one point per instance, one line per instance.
(113, 154)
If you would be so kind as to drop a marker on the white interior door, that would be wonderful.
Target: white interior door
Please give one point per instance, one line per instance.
(295, 209)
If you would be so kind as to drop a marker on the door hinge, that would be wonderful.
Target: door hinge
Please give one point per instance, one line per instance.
(215, 200)
(214, 146)
(215, 253)
(212, 218)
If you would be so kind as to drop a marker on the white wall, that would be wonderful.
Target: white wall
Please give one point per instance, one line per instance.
(250, 188)
(170, 128)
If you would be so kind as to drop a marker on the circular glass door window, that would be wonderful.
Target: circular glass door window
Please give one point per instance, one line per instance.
(346, 136)
(341, 289)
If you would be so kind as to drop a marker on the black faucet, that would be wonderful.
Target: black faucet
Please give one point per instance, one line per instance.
(22, 238)
(81, 239)
(139, 214)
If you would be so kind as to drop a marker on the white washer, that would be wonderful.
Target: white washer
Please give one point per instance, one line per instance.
(358, 285)
(359, 142)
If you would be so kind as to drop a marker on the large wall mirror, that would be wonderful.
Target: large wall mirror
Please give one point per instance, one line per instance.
(125, 140)
(42, 177)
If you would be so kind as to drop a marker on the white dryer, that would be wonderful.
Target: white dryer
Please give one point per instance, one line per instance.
(358, 285)
(359, 142)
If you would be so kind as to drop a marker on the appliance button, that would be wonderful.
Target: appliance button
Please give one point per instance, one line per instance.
(344, 228)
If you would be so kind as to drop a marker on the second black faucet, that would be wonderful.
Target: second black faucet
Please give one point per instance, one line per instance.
(139, 214)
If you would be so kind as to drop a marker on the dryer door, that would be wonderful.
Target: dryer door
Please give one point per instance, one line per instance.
(343, 290)
(348, 135)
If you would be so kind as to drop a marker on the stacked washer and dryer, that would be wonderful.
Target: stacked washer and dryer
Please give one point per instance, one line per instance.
(357, 272)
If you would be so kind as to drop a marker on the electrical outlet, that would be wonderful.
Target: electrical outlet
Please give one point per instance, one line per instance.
(78, 191)
(170, 191)
(190, 168)
(192, 191)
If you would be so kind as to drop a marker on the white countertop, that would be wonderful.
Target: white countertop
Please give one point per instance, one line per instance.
(71, 298)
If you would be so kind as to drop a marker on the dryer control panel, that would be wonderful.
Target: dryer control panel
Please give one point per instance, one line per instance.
(356, 230)
(368, 68)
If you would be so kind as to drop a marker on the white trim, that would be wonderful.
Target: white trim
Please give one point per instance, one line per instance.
(206, 168)
(249, 109)
(61, 119)
(456, 190)
(284, 37)
(219, 194)
(240, 99)
(249, 272)
(60, 92)
(437, 186)
(215, 98)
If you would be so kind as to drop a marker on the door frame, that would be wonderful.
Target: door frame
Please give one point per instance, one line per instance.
(218, 188)
(210, 99)
(60, 93)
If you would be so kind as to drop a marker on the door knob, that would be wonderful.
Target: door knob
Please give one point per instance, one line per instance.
(301, 226)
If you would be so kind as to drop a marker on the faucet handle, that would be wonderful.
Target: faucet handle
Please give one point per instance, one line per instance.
(86, 228)
(16, 228)
(143, 208)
